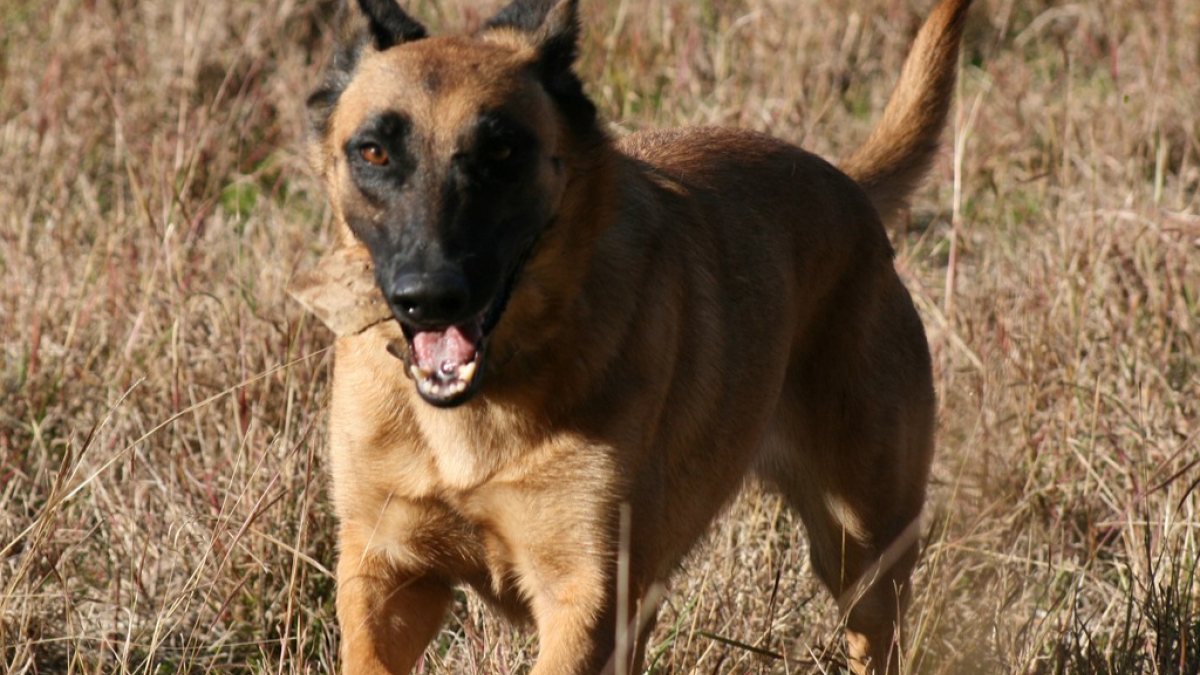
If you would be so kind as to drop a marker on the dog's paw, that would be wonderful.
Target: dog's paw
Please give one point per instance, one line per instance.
(341, 292)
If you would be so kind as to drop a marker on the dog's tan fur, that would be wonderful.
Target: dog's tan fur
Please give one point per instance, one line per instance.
(709, 304)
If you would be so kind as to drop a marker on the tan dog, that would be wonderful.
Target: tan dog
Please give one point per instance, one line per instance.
(573, 327)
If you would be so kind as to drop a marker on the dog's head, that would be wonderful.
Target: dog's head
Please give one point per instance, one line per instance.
(444, 158)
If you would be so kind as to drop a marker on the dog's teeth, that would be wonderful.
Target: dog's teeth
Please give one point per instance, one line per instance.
(419, 373)
(465, 373)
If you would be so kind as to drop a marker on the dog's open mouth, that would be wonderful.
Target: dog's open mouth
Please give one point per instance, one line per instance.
(446, 364)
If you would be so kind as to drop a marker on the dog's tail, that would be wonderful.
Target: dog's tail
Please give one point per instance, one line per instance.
(895, 157)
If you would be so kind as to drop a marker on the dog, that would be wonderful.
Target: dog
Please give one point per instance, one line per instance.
(571, 350)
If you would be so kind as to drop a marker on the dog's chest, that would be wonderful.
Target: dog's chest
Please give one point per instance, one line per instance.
(469, 447)
(461, 464)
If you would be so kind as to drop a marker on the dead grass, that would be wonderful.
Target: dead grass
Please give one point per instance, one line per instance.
(162, 498)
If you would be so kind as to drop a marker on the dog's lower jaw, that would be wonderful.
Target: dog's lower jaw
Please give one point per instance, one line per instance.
(448, 388)
(446, 365)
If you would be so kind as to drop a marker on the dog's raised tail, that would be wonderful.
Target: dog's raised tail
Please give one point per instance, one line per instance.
(897, 154)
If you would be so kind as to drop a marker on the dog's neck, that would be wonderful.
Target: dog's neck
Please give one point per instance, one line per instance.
(558, 292)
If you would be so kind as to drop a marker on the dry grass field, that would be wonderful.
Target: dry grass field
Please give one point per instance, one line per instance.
(163, 503)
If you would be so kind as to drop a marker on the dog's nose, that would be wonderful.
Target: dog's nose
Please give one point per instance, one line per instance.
(430, 299)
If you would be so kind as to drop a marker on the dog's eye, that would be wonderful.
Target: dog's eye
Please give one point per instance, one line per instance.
(498, 153)
(374, 154)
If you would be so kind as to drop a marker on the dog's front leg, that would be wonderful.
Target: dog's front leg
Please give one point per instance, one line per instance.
(578, 629)
(571, 578)
(574, 639)
(387, 616)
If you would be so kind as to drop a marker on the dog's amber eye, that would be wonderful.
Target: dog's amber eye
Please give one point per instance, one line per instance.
(499, 153)
(374, 154)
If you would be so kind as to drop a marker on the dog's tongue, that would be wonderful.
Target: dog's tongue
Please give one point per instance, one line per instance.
(446, 350)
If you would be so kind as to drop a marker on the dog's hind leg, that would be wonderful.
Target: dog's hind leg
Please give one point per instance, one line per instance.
(855, 467)
(862, 550)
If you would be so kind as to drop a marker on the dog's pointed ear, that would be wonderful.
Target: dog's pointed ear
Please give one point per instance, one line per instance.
(380, 23)
(551, 28)
(389, 24)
